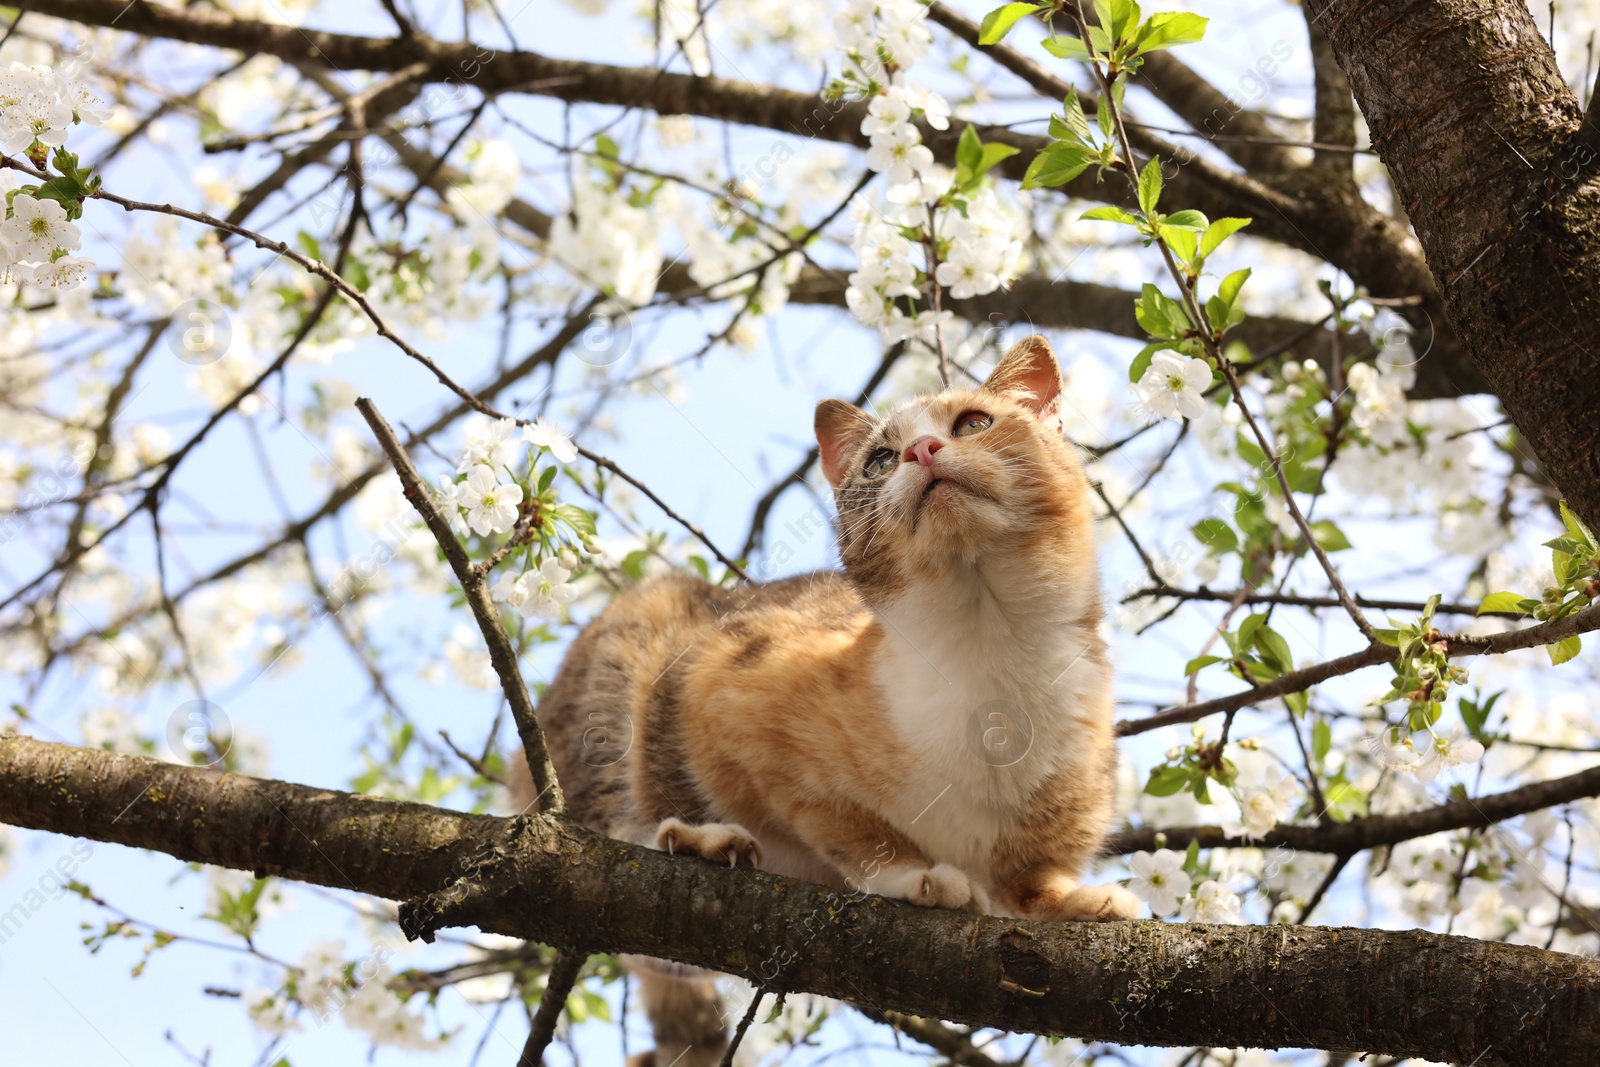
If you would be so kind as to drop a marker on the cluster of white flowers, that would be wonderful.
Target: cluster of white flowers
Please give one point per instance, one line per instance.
(1213, 902)
(323, 987)
(607, 241)
(39, 106)
(488, 501)
(985, 251)
(1160, 881)
(1263, 804)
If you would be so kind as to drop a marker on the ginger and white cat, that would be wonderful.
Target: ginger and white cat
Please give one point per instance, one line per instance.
(934, 724)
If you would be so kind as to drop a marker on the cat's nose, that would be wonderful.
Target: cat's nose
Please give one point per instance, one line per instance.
(922, 449)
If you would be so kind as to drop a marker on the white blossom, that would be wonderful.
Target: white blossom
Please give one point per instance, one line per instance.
(491, 507)
(1444, 751)
(38, 227)
(1213, 902)
(547, 435)
(1159, 880)
(1173, 386)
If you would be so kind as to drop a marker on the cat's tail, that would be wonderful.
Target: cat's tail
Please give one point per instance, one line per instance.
(685, 1013)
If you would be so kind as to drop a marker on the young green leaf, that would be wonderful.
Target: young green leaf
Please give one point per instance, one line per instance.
(1329, 536)
(1564, 649)
(1229, 288)
(1166, 780)
(1216, 535)
(1065, 47)
(1220, 230)
(1170, 28)
(1576, 527)
(1201, 662)
(1321, 739)
(1150, 185)
(1188, 219)
(997, 23)
(1109, 214)
(1057, 165)
(1512, 602)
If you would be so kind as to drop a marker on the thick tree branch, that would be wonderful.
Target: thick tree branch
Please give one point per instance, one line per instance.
(1134, 982)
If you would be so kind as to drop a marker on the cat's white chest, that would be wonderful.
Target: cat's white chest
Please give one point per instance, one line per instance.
(986, 712)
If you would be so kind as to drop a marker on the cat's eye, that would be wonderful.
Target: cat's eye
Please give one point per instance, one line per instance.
(972, 422)
(879, 462)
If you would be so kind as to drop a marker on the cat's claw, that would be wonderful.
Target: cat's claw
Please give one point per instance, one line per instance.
(940, 886)
(715, 841)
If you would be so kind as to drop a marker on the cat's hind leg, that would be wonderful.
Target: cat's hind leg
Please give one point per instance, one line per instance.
(720, 842)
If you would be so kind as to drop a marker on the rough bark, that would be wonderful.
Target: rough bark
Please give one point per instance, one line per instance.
(1487, 150)
(1131, 982)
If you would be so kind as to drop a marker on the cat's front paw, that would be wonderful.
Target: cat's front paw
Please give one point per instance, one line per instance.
(1098, 903)
(719, 842)
(941, 886)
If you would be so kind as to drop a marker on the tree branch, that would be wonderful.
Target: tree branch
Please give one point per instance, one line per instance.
(1136, 982)
(1374, 831)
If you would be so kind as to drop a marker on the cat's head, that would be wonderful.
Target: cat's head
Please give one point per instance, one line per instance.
(957, 477)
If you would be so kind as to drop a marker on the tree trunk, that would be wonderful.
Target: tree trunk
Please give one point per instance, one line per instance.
(1489, 152)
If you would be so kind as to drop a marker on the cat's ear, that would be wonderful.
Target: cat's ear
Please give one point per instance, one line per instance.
(1029, 373)
(840, 428)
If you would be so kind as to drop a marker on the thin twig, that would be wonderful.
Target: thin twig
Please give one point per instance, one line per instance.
(563, 973)
(473, 583)
(744, 1024)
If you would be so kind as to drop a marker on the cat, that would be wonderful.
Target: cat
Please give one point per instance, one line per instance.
(933, 724)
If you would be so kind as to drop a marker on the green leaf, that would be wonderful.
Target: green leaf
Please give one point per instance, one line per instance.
(1220, 230)
(1065, 47)
(1576, 527)
(547, 476)
(997, 23)
(1216, 535)
(1170, 28)
(701, 567)
(1188, 219)
(1571, 546)
(1202, 662)
(1229, 288)
(1564, 649)
(1321, 739)
(1183, 242)
(1191, 856)
(1274, 649)
(1109, 214)
(1329, 536)
(1073, 116)
(969, 150)
(1150, 185)
(1057, 165)
(1166, 780)
(1512, 602)
(575, 517)
(994, 153)
(1388, 637)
